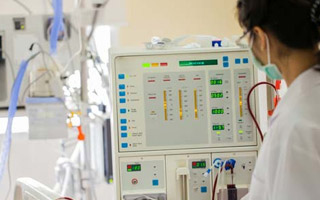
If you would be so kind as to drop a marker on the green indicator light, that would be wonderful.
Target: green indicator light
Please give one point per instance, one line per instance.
(218, 132)
(217, 111)
(190, 63)
(218, 127)
(216, 82)
(241, 131)
(146, 65)
(216, 95)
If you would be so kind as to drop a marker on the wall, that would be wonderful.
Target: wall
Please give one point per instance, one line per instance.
(173, 18)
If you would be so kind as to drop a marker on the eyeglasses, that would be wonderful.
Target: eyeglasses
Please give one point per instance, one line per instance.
(240, 42)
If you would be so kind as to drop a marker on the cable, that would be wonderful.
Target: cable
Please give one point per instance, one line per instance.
(95, 18)
(249, 106)
(9, 175)
(6, 144)
(56, 25)
(75, 54)
(23, 6)
(33, 82)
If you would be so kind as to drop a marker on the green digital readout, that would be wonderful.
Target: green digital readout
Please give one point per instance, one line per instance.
(199, 164)
(216, 95)
(218, 111)
(134, 168)
(190, 63)
(216, 82)
(218, 127)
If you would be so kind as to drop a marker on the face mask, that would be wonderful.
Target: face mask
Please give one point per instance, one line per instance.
(270, 69)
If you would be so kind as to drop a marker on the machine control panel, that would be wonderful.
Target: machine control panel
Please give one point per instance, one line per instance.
(183, 100)
(143, 174)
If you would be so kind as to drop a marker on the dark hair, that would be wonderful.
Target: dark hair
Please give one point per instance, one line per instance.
(289, 21)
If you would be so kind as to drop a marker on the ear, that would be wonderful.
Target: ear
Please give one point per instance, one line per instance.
(260, 38)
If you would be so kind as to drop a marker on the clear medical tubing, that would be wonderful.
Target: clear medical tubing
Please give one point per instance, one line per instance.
(57, 25)
(12, 110)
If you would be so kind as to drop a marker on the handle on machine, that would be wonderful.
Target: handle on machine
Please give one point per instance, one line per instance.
(184, 174)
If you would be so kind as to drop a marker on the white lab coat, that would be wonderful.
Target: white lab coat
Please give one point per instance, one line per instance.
(288, 165)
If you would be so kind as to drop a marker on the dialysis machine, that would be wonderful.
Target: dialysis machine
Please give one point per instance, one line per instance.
(178, 113)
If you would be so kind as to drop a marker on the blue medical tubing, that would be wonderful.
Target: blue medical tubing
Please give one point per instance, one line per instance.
(57, 25)
(11, 113)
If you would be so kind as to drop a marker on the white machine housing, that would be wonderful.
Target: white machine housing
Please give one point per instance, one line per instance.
(174, 112)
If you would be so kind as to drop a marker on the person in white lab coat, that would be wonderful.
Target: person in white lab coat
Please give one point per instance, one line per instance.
(284, 37)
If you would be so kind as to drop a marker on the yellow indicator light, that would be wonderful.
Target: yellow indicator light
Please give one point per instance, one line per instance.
(195, 104)
(240, 102)
(127, 76)
(218, 132)
(241, 131)
(180, 104)
(129, 134)
(155, 64)
(165, 105)
(22, 27)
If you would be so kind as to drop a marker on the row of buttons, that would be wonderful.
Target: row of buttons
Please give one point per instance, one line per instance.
(237, 61)
(123, 122)
(155, 182)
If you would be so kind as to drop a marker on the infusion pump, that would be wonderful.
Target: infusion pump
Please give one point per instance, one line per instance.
(175, 112)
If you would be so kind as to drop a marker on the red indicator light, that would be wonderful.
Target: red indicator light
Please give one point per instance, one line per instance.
(163, 64)
(194, 163)
(129, 166)
(197, 79)
(166, 80)
(151, 81)
(242, 76)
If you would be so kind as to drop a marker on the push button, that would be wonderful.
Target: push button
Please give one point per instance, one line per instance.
(203, 189)
(124, 145)
(123, 111)
(245, 60)
(121, 76)
(237, 61)
(122, 86)
(124, 135)
(155, 182)
(122, 94)
(124, 128)
(123, 121)
(122, 100)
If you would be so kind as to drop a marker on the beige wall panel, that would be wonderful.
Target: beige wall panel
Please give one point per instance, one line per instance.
(173, 18)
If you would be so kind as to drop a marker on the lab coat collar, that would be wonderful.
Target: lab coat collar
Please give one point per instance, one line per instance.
(306, 80)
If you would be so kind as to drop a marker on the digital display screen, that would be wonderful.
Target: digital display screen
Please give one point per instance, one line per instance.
(218, 127)
(199, 164)
(190, 63)
(216, 82)
(216, 95)
(218, 111)
(134, 168)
